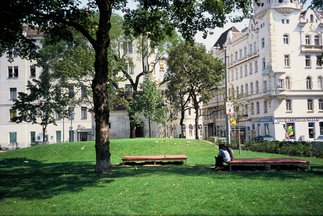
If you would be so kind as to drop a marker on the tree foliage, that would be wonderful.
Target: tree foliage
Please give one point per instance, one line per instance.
(193, 73)
(155, 19)
(41, 104)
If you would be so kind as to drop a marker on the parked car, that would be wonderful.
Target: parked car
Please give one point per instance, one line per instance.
(319, 138)
(264, 139)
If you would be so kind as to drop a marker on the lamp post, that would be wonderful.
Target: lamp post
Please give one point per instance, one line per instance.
(71, 127)
(227, 125)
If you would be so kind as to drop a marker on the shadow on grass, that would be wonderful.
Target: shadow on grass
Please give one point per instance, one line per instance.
(31, 179)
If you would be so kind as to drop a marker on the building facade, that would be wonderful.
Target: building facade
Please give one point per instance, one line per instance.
(272, 64)
(80, 125)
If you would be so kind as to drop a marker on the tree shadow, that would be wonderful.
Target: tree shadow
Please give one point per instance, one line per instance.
(32, 179)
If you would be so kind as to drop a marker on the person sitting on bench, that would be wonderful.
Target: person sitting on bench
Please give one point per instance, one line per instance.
(225, 155)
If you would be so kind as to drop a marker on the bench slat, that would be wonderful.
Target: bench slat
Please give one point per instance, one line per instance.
(154, 157)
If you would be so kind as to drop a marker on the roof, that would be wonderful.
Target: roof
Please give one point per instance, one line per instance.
(223, 37)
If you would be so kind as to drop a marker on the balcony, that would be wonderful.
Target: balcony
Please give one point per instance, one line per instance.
(308, 48)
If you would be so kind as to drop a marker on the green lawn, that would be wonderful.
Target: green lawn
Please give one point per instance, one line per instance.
(60, 180)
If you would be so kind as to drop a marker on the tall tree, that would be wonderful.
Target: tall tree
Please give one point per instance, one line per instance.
(153, 18)
(198, 70)
(178, 97)
(151, 102)
(41, 103)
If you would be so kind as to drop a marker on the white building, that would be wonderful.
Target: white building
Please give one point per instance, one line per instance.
(80, 127)
(273, 63)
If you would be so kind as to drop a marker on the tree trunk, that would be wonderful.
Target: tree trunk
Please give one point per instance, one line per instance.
(132, 128)
(196, 122)
(44, 133)
(182, 122)
(100, 90)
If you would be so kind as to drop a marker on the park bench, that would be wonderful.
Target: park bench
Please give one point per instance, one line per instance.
(155, 158)
(268, 162)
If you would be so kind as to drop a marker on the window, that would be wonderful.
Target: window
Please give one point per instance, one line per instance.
(71, 92)
(71, 113)
(83, 112)
(251, 88)
(32, 71)
(310, 105)
(58, 116)
(127, 47)
(311, 18)
(252, 108)
(266, 128)
(286, 61)
(241, 72)
(285, 39)
(240, 53)
(131, 68)
(265, 106)
(256, 66)
(246, 70)
(308, 83)
(287, 83)
(242, 90)
(258, 107)
(263, 64)
(250, 48)
(32, 136)
(257, 87)
(307, 40)
(13, 137)
(13, 114)
(237, 91)
(83, 92)
(13, 94)
(283, 21)
(288, 105)
(320, 82)
(280, 83)
(250, 68)
(237, 74)
(319, 61)
(245, 51)
(255, 47)
(236, 56)
(308, 61)
(58, 136)
(316, 40)
(247, 89)
(311, 130)
(12, 71)
(320, 104)
(262, 42)
(265, 86)
(128, 88)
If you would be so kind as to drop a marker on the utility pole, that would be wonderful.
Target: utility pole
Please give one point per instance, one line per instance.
(227, 125)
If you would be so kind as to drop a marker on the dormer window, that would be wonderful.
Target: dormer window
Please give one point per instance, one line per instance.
(311, 18)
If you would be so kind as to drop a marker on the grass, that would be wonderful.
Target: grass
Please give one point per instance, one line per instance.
(60, 180)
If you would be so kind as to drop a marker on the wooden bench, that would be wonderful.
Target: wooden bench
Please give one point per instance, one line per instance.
(267, 162)
(154, 158)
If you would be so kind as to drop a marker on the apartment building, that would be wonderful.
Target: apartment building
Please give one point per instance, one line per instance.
(272, 64)
(80, 125)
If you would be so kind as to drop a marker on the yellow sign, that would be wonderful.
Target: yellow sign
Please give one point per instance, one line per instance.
(233, 121)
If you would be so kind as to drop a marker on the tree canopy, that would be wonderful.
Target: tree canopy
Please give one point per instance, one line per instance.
(189, 65)
(155, 19)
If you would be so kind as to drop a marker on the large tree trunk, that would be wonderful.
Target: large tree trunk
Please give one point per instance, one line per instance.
(100, 90)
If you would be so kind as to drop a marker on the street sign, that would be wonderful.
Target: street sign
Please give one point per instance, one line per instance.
(229, 109)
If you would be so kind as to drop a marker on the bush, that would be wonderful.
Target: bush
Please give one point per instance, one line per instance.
(289, 148)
